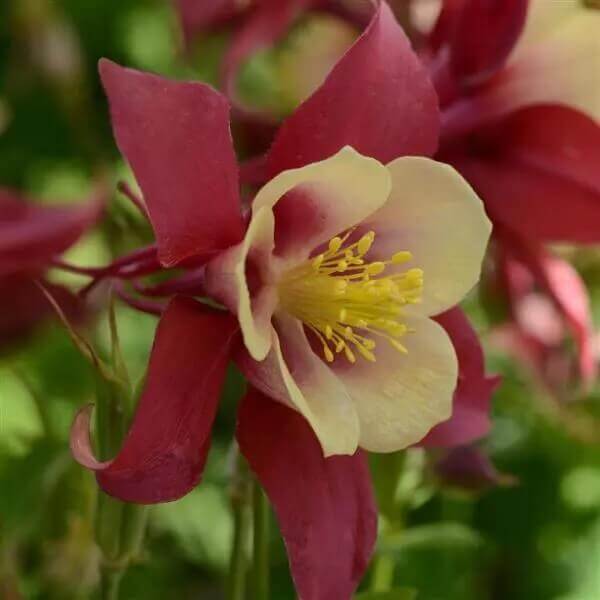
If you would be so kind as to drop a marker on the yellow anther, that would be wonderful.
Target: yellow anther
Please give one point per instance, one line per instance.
(340, 286)
(369, 344)
(414, 274)
(335, 244)
(317, 261)
(398, 346)
(375, 268)
(365, 243)
(341, 297)
(366, 353)
(401, 257)
(349, 354)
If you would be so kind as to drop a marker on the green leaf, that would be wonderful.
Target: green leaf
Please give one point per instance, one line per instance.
(395, 594)
(448, 534)
(203, 540)
(27, 483)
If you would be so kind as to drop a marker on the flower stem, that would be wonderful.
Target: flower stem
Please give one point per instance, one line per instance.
(238, 562)
(110, 581)
(383, 574)
(260, 567)
(240, 502)
(120, 526)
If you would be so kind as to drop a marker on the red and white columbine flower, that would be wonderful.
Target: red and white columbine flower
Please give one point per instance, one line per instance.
(342, 264)
(330, 284)
(521, 121)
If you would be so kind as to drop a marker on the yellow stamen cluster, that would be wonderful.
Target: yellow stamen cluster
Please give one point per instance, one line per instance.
(347, 302)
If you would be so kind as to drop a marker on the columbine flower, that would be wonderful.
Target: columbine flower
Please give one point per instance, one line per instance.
(537, 331)
(330, 285)
(31, 238)
(520, 110)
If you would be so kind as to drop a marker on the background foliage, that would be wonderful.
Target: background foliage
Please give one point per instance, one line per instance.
(535, 539)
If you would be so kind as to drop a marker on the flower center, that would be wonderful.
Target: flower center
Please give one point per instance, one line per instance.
(348, 302)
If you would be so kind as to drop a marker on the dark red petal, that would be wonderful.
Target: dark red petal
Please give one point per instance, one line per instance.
(568, 292)
(325, 507)
(471, 407)
(32, 234)
(470, 468)
(23, 306)
(377, 99)
(197, 16)
(537, 173)
(164, 453)
(441, 34)
(486, 32)
(176, 137)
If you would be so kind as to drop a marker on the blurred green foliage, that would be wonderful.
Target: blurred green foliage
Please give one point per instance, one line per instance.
(538, 539)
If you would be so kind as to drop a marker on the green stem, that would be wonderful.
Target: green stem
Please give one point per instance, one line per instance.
(238, 562)
(240, 501)
(260, 568)
(110, 583)
(110, 513)
(383, 574)
(133, 530)
(109, 428)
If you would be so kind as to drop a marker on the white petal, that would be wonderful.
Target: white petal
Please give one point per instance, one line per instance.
(433, 213)
(556, 61)
(314, 203)
(400, 397)
(294, 375)
(544, 18)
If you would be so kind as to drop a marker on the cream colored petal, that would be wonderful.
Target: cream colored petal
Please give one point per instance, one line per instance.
(314, 203)
(557, 61)
(545, 17)
(226, 280)
(294, 375)
(400, 397)
(433, 213)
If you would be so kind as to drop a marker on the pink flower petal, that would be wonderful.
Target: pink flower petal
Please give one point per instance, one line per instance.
(471, 406)
(568, 292)
(176, 137)
(485, 33)
(377, 99)
(32, 234)
(325, 506)
(537, 173)
(199, 15)
(164, 453)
